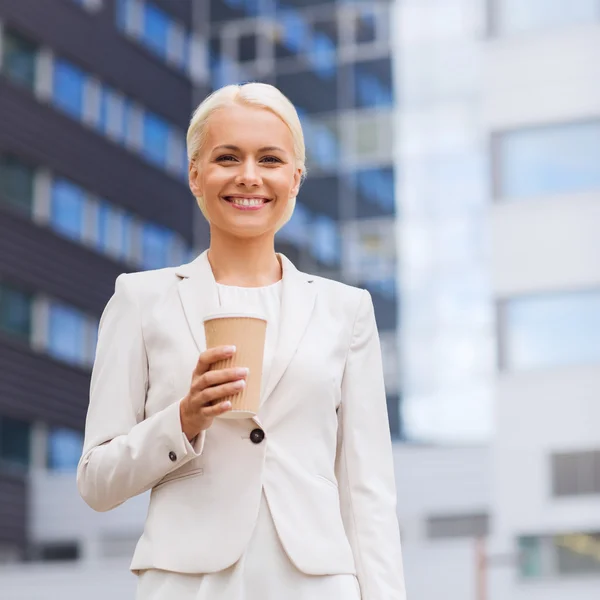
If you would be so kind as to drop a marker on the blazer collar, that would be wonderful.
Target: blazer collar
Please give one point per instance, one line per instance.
(199, 297)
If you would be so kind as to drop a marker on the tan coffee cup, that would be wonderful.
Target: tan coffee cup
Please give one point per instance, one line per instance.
(247, 333)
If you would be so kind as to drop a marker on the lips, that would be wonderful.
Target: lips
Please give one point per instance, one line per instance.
(246, 202)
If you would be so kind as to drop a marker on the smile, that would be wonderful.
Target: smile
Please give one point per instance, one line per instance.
(247, 202)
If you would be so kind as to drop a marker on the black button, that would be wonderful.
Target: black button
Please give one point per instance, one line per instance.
(257, 436)
(172, 456)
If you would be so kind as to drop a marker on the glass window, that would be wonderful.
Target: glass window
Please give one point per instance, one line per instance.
(156, 246)
(15, 312)
(68, 87)
(66, 335)
(126, 227)
(64, 449)
(324, 240)
(16, 183)
(18, 60)
(551, 330)
(376, 186)
(322, 55)
(106, 223)
(122, 9)
(295, 34)
(67, 207)
(296, 229)
(365, 25)
(549, 160)
(530, 556)
(516, 16)
(576, 553)
(156, 138)
(373, 83)
(15, 436)
(155, 29)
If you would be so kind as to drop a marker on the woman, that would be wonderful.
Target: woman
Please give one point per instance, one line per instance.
(297, 503)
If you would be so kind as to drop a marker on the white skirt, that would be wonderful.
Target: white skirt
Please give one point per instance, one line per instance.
(264, 572)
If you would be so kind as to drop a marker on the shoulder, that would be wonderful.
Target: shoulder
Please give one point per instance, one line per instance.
(144, 284)
(342, 296)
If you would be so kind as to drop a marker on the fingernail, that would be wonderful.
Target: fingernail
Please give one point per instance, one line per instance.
(227, 404)
(229, 348)
(242, 371)
(240, 383)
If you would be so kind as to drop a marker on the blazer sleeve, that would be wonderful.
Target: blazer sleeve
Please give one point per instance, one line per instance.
(364, 465)
(125, 454)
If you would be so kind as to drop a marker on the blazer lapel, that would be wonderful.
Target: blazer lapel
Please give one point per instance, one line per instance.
(199, 296)
(297, 303)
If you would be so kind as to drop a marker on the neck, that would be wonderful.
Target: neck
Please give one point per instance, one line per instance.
(244, 262)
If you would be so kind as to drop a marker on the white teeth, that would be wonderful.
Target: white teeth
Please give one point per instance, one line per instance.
(247, 201)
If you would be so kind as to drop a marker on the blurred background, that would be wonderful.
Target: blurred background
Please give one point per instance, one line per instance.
(454, 172)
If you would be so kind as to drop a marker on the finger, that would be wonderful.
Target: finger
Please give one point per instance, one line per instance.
(219, 376)
(212, 355)
(210, 395)
(216, 409)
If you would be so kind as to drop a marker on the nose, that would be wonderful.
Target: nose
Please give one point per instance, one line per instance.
(248, 175)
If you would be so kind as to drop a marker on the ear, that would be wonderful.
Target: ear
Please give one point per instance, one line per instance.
(297, 182)
(194, 178)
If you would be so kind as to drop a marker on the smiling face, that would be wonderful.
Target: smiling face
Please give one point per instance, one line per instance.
(245, 171)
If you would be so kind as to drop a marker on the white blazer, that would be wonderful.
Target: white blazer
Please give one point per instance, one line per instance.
(325, 462)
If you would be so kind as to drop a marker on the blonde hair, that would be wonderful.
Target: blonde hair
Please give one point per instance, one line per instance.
(261, 95)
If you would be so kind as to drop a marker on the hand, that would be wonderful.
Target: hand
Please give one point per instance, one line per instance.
(203, 402)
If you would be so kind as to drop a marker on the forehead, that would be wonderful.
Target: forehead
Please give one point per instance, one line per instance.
(247, 126)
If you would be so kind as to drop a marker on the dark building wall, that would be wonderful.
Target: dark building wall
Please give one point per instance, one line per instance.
(27, 378)
(33, 386)
(44, 136)
(36, 259)
(94, 42)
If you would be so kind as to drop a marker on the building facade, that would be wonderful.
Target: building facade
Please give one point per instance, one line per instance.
(542, 116)
(95, 98)
(332, 59)
(92, 184)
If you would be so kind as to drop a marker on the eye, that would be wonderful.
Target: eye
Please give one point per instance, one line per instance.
(271, 160)
(226, 158)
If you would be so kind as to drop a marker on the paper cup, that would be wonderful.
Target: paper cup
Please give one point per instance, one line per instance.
(245, 331)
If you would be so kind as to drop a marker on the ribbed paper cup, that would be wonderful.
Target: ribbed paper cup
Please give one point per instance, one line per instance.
(247, 333)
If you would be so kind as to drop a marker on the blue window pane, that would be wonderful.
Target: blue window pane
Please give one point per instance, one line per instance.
(156, 245)
(105, 94)
(324, 239)
(377, 186)
(68, 88)
(125, 128)
(155, 30)
(552, 330)
(67, 207)
(66, 334)
(103, 227)
(296, 229)
(296, 32)
(323, 55)
(64, 449)
(550, 160)
(126, 224)
(156, 137)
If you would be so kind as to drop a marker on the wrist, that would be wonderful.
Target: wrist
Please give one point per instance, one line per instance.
(185, 420)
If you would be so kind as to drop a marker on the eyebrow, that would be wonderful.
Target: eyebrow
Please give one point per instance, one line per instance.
(236, 149)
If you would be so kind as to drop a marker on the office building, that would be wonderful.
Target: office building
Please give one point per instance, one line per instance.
(95, 98)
